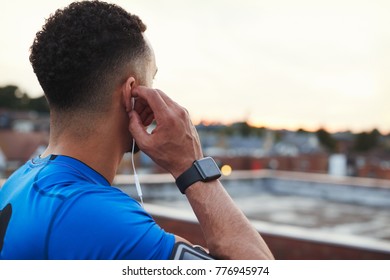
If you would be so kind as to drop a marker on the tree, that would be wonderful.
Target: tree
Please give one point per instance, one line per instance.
(38, 104)
(8, 97)
(243, 128)
(366, 141)
(302, 131)
(12, 98)
(326, 139)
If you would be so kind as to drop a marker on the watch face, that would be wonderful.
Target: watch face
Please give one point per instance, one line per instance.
(208, 169)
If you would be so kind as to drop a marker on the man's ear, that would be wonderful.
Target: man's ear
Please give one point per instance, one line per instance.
(127, 86)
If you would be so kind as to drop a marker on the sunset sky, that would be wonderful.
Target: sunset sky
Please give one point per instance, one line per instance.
(280, 63)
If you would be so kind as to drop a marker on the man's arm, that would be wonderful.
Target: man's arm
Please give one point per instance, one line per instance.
(228, 233)
(174, 145)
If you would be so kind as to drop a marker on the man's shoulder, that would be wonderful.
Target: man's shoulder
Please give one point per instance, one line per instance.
(64, 177)
(72, 169)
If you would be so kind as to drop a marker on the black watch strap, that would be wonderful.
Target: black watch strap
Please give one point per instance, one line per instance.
(188, 178)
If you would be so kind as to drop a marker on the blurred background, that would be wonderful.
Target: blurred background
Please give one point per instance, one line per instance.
(290, 98)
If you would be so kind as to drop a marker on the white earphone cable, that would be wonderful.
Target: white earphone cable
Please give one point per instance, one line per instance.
(136, 180)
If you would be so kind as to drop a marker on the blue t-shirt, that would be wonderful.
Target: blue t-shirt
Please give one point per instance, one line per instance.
(63, 209)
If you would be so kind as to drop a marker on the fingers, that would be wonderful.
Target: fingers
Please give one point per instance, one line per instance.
(152, 104)
(137, 128)
(148, 104)
(144, 111)
(174, 143)
(166, 98)
(148, 120)
(153, 98)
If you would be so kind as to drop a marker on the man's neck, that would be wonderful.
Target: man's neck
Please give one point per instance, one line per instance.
(100, 154)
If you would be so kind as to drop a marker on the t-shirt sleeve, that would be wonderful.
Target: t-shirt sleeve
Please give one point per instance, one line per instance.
(106, 226)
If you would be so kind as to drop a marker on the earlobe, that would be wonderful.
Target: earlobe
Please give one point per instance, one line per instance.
(127, 87)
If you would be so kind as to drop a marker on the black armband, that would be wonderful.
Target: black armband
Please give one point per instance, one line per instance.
(184, 251)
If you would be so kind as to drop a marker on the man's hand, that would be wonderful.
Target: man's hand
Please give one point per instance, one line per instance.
(174, 143)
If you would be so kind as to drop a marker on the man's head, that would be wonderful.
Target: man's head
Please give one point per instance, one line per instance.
(85, 52)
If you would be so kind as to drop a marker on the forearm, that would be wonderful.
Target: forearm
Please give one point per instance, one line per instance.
(228, 233)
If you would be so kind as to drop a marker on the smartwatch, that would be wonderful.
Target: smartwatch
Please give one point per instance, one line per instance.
(204, 170)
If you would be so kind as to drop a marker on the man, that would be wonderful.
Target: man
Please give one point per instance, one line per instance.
(92, 60)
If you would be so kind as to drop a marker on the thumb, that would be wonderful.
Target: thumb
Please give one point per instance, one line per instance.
(137, 129)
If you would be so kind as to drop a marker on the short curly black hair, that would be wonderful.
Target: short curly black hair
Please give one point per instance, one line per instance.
(81, 51)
